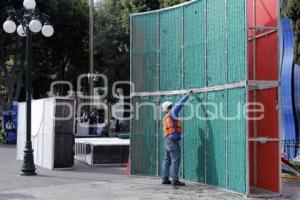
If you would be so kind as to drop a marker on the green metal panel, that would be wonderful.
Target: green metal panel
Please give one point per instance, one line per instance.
(194, 139)
(135, 140)
(216, 130)
(236, 148)
(216, 49)
(236, 40)
(205, 36)
(144, 52)
(194, 44)
(144, 137)
(170, 49)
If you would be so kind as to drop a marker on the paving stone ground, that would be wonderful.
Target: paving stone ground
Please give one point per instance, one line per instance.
(89, 183)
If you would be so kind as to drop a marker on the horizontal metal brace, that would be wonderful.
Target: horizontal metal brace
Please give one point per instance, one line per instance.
(253, 85)
(262, 35)
(195, 90)
(263, 140)
(261, 28)
(261, 85)
(264, 195)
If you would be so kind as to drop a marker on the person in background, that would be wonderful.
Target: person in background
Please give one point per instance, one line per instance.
(83, 117)
(1, 124)
(93, 121)
(172, 131)
(9, 126)
(1, 127)
(113, 126)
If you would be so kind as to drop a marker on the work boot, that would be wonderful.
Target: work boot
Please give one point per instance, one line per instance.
(178, 183)
(166, 182)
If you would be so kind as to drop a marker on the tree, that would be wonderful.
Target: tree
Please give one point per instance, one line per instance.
(65, 55)
(166, 3)
(293, 12)
(112, 42)
(62, 57)
(11, 62)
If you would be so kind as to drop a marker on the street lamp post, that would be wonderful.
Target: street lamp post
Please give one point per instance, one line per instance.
(30, 22)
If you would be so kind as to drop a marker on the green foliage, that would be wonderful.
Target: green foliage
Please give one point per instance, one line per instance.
(166, 3)
(65, 55)
(293, 12)
(62, 57)
(112, 42)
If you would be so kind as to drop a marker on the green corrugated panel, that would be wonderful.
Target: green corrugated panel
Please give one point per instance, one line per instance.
(236, 40)
(194, 44)
(194, 139)
(135, 139)
(147, 147)
(136, 49)
(236, 148)
(216, 130)
(144, 52)
(174, 99)
(144, 138)
(216, 32)
(170, 49)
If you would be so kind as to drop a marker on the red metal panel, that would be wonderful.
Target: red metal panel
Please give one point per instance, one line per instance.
(250, 16)
(250, 115)
(263, 65)
(267, 166)
(266, 65)
(250, 60)
(261, 13)
(267, 57)
(266, 113)
(268, 125)
(264, 164)
(266, 12)
(251, 163)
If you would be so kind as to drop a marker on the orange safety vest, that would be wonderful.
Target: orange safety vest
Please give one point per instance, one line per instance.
(170, 126)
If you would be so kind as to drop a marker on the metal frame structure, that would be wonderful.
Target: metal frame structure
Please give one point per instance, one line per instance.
(249, 85)
(255, 85)
(81, 153)
(130, 74)
(247, 98)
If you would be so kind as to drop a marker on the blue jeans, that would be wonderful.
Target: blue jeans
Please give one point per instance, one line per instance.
(171, 158)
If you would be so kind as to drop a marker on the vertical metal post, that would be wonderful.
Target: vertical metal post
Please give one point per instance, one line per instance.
(91, 49)
(247, 99)
(182, 79)
(131, 92)
(158, 84)
(205, 94)
(226, 98)
(279, 94)
(28, 167)
(254, 93)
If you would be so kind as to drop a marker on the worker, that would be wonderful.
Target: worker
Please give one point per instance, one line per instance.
(172, 133)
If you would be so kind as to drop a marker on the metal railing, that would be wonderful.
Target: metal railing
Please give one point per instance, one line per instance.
(291, 148)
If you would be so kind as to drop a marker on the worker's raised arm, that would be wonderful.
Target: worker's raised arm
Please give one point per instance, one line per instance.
(177, 108)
